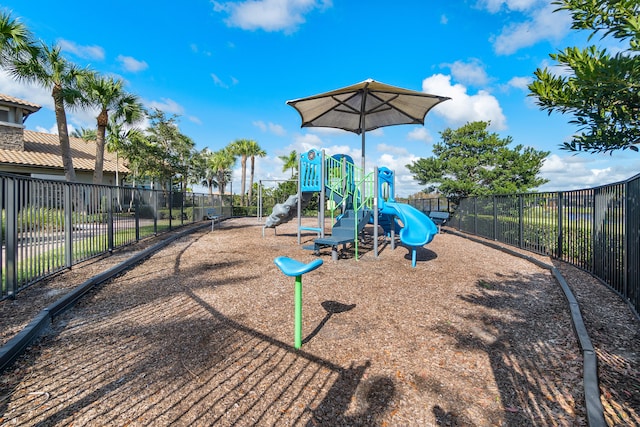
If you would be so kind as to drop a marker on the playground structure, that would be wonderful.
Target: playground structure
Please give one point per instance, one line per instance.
(353, 200)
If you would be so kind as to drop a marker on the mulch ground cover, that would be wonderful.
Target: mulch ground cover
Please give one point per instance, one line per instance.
(201, 333)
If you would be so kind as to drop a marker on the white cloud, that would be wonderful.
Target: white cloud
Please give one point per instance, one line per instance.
(462, 107)
(85, 52)
(195, 49)
(52, 130)
(333, 131)
(218, 82)
(306, 141)
(194, 119)
(131, 64)
(420, 134)
(471, 72)
(495, 6)
(520, 82)
(396, 159)
(167, 105)
(260, 125)
(393, 149)
(270, 127)
(444, 20)
(27, 92)
(542, 24)
(573, 172)
(269, 15)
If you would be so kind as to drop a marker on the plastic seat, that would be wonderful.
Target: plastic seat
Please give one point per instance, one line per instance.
(292, 267)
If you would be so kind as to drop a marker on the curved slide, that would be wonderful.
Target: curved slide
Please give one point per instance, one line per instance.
(418, 229)
(284, 212)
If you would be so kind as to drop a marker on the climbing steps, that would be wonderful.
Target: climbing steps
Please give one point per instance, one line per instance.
(343, 231)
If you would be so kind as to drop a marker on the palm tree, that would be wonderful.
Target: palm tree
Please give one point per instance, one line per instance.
(222, 162)
(254, 150)
(109, 96)
(84, 134)
(49, 69)
(118, 140)
(16, 41)
(207, 173)
(242, 148)
(290, 162)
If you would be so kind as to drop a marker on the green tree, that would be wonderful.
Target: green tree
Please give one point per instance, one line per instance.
(144, 158)
(602, 91)
(254, 151)
(119, 140)
(470, 161)
(223, 161)
(171, 153)
(242, 148)
(107, 94)
(84, 134)
(290, 161)
(49, 69)
(207, 173)
(16, 41)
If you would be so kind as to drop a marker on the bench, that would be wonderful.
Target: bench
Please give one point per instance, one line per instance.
(439, 218)
(210, 214)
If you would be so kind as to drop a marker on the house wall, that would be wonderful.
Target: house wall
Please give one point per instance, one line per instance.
(11, 136)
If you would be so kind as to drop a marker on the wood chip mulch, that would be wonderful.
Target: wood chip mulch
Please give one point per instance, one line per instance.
(201, 333)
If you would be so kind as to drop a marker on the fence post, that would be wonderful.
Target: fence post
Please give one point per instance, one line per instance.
(475, 216)
(625, 241)
(68, 226)
(136, 216)
(170, 208)
(560, 236)
(154, 199)
(495, 219)
(110, 219)
(11, 275)
(520, 221)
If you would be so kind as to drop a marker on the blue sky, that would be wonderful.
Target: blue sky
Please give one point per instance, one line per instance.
(228, 67)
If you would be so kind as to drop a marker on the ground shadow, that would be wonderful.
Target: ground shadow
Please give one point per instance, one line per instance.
(176, 359)
(536, 384)
(331, 307)
(422, 254)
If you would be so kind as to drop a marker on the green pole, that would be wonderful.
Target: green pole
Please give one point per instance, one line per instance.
(298, 313)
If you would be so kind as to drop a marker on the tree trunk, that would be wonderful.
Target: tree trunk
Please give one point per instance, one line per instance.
(253, 167)
(103, 118)
(63, 134)
(243, 164)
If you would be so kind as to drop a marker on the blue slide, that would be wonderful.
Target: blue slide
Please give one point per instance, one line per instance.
(418, 229)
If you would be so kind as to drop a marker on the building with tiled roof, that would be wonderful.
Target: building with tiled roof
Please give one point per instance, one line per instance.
(39, 155)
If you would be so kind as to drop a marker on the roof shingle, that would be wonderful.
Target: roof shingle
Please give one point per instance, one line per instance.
(43, 150)
(19, 102)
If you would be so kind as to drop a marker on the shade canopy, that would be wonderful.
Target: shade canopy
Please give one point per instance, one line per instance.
(365, 106)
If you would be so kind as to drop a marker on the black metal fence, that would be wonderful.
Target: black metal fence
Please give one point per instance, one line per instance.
(48, 226)
(597, 229)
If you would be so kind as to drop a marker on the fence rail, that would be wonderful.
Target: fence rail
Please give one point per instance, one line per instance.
(48, 226)
(597, 229)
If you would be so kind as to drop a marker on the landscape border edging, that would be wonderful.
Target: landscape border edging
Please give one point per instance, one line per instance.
(14, 347)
